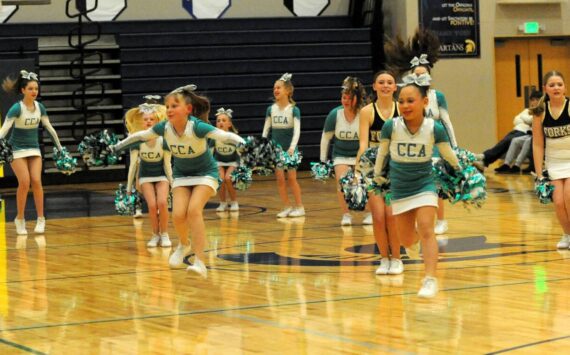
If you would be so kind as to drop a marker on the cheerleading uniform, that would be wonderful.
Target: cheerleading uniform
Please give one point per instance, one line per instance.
(225, 154)
(411, 177)
(557, 137)
(346, 137)
(285, 125)
(153, 162)
(437, 110)
(193, 163)
(378, 122)
(24, 136)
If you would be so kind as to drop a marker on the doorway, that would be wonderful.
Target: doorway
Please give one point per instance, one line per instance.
(520, 65)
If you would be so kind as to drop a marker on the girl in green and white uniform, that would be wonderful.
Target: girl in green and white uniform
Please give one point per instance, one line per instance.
(228, 160)
(195, 171)
(24, 118)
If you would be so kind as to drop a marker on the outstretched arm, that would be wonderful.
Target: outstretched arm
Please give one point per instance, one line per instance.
(225, 137)
(136, 137)
(132, 170)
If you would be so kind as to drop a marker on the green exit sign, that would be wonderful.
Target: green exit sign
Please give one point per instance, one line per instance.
(531, 28)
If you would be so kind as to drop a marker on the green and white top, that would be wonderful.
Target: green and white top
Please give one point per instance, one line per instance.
(153, 162)
(191, 156)
(410, 155)
(346, 135)
(285, 125)
(25, 123)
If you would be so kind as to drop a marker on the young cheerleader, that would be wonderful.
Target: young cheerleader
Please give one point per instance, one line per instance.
(342, 123)
(372, 119)
(25, 116)
(419, 55)
(194, 169)
(152, 160)
(550, 125)
(410, 141)
(228, 159)
(283, 118)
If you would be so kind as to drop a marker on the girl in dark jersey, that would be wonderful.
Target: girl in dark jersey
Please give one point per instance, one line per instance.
(25, 117)
(551, 143)
(372, 118)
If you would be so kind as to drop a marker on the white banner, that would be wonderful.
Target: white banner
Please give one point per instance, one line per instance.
(6, 12)
(201, 9)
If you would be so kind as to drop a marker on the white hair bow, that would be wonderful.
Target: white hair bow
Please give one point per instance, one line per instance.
(286, 77)
(152, 98)
(223, 111)
(422, 60)
(419, 80)
(148, 108)
(187, 88)
(28, 75)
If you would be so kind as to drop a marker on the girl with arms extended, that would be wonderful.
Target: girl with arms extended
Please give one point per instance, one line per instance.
(195, 171)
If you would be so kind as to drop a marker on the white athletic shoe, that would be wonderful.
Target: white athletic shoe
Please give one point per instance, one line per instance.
(20, 226)
(564, 242)
(414, 251)
(165, 240)
(441, 226)
(297, 212)
(429, 287)
(138, 213)
(285, 212)
(198, 267)
(222, 207)
(153, 242)
(40, 225)
(234, 206)
(384, 267)
(396, 267)
(367, 221)
(177, 258)
(346, 220)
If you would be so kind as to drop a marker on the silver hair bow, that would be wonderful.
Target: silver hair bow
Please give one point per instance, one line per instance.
(422, 60)
(286, 77)
(419, 80)
(187, 88)
(28, 75)
(223, 111)
(148, 108)
(152, 98)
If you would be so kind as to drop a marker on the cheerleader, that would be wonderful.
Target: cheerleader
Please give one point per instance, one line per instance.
(342, 123)
(283, 119)
(551, 125)
(418, 56)
(410, 141)
(228, 159)
(152, 160)
(195, 171)
(373, 116)
(25, 117)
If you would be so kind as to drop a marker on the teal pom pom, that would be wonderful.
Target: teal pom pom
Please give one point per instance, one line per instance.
(355, 195)
(286, 161)
(6, 155)
(242, 178)
(63, 161)
(126, 205)
(543, 190)
(322, 171)
(467, 185)
(258, 154)
(367, 161)
(94, 149)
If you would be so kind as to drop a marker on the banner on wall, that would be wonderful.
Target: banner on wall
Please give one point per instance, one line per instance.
(456, 23)
(107, 10)
(201, 9)
(307, 7)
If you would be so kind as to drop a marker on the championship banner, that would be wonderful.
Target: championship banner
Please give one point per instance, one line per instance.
(456, 23)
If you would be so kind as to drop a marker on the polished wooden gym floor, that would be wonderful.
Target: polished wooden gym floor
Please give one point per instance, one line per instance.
(89, 285)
